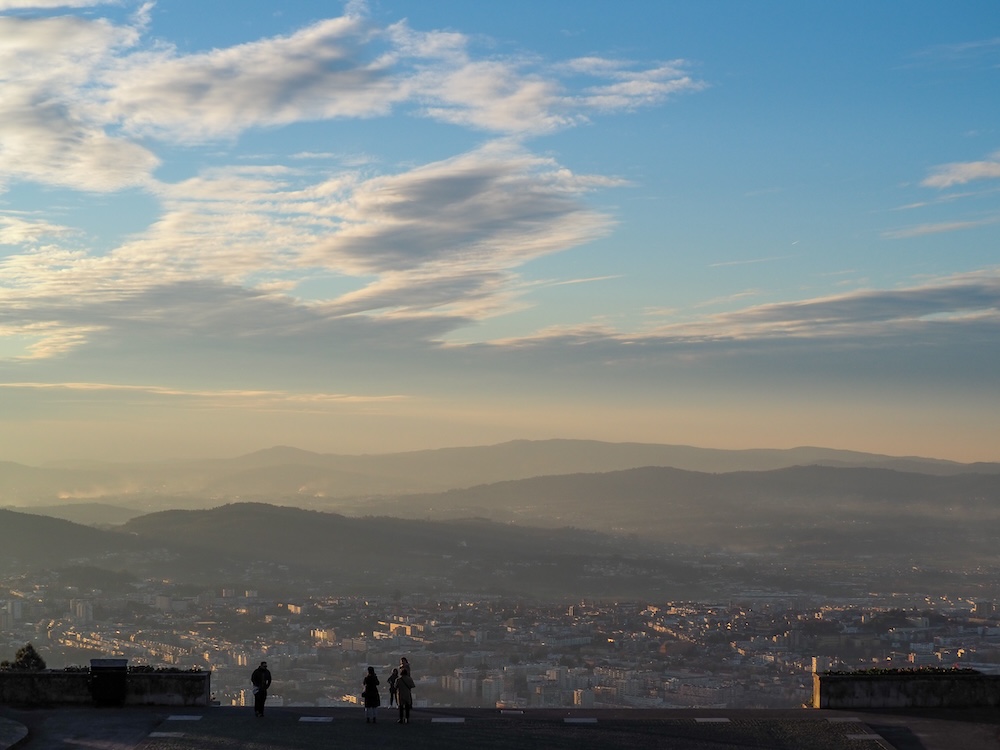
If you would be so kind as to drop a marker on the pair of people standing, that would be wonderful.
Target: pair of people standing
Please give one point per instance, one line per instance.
(404, 691)
(400, 691)
(403, 664)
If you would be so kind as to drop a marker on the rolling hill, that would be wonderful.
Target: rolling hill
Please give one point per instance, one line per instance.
(29, 540)
(290, 550)
(817, 507)
(648, 529)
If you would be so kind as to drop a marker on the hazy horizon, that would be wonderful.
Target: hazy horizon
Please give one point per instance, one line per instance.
(117, 449)
(166, 459)
(373, 227)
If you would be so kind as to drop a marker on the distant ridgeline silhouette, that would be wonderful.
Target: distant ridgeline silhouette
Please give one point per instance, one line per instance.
(287, 471)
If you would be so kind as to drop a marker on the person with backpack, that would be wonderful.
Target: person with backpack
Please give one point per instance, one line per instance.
(404, 695)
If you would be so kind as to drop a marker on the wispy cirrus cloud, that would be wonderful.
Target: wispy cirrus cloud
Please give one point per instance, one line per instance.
(87, 101)
(750, 261)
(629, 87)
(938, 228)
(859, 318)
(46, 339)
(440, 243)
(729, 298)
(960, 173)
(17, 231)
(588, 280)
(975, 53)
(348, 68)
(495, 207)
(221, 395)
(94, 106)
(319, 72)
(519, 96)
(50, 4)
(51, 131)
(862, 314)
(947, 176)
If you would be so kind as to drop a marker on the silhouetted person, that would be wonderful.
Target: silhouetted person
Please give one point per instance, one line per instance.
(391, 682)
(404, 694)
(261, 681)
(404, 663)
(370, 693)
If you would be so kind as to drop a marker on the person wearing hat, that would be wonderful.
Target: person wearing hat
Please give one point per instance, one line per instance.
(261, 681)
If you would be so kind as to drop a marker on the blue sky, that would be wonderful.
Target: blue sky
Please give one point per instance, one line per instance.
(392, 225)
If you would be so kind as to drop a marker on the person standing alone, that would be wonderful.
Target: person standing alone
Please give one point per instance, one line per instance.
(261, 681)
(372, 699)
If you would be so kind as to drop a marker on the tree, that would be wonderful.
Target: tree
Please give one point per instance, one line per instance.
(26, 659)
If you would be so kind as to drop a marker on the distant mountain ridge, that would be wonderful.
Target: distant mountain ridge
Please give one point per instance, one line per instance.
(551, 533)
(861, 509)
(285, 472)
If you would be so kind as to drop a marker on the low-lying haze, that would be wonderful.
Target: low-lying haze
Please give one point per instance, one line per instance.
(368, 227)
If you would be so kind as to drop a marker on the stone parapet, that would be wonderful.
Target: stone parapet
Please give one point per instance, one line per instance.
(906, 690)
(56, 687)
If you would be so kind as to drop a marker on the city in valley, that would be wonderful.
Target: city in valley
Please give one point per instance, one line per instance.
(635, 576)
(755, 650)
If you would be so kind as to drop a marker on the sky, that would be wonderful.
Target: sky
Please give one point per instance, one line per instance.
(389, 225)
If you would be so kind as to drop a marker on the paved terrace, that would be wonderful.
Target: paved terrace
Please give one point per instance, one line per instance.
(217, 728)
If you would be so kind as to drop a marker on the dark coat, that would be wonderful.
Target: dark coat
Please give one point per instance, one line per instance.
(403, 687)
(370, 692)
(261, 678)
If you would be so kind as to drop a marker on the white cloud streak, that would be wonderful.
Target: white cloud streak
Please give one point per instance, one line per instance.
(937, 228)
(317, 73)
(590, 280)
(860, 318)
(960, 173)
(17, 231)
(750, 261)
(227, 394)
(51, 4)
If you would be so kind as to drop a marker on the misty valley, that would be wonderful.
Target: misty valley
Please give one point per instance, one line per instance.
(526, 573)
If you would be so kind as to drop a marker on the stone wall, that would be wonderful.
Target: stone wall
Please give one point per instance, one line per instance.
(169, 689)
(906, 690)
(54, 687)
(44, 688)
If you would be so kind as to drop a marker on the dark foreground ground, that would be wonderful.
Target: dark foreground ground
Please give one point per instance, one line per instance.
(165, 728)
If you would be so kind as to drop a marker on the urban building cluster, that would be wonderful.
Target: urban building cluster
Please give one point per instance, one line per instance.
(757, 650)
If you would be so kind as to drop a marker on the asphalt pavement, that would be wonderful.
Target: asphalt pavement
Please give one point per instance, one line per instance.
(298, 728)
